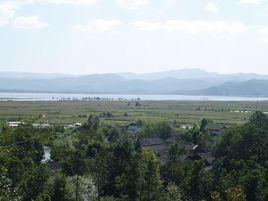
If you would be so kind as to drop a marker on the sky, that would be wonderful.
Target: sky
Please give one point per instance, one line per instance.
(108, 36)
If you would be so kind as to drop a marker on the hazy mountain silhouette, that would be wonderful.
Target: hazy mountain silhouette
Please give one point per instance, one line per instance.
(191, 81)
(257, 88)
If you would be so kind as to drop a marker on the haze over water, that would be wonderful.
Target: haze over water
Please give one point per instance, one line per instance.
(58, 97)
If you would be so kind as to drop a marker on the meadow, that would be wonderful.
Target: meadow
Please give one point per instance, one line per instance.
(123, 112)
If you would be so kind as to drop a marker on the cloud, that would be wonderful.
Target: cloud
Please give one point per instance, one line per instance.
(132, 4)
(18, 3)
(255, 2)
(212, 8)
(214, 28)
(97, 26)
(3, 21)
(7, 11)
(31, 22)
(9, 8)
(15, 4)
(262, 39)
(262, 30)
(262, 34)
(71, 2)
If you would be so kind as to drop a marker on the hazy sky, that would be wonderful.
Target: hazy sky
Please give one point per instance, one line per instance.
(102, 36)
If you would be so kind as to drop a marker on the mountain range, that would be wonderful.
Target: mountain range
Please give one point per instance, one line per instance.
(185, 81)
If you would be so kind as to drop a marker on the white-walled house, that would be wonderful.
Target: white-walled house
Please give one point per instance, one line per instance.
(14, 124)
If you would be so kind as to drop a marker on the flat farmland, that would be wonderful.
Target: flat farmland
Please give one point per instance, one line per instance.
(123, 112)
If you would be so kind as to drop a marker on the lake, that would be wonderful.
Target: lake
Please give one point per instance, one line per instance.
(57, 96)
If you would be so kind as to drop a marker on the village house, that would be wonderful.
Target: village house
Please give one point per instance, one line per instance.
(77, 124)
(13, 124)
(186, 127)
(132, 127)
(173, 139)
(156, 144)
(216, 129)
(160, 147)
(41, 125)
(198, 153)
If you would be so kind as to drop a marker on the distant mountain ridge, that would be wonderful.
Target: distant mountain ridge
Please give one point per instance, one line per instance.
(178, 74)
(257, 88)
(185, 81)
(101, 84)
(194, 74)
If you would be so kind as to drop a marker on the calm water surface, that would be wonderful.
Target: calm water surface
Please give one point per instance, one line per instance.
(57, 97)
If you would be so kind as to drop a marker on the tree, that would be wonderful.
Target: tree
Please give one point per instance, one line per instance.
(249, 175)
(139, 123)
(173, 193)
(92, 123)
(34, 183)
(110, 163)
(27, 142)
(196, 183)
(21, 161)
(164, 130)
(149, 187)
(59, 189)
(7, 193)
(147, 130)
(81, 188)
(112, 134)
(259, 119)
(235, 194)
(246, 142)
(204, 124)
(75, 162)
(175, 151)
(198, 135)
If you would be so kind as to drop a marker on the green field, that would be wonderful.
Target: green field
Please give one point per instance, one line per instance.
(176, 112)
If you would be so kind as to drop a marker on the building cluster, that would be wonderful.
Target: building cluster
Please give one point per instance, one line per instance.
(191, 151)
(14, 124)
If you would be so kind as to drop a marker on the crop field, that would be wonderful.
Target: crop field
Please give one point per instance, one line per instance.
(123, 112)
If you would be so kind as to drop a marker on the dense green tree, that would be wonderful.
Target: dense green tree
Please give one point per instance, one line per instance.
(196, 183)
(59, 189)
(94, 148)
(161, 129)
(7, 191)
(149, 187)
(92, 123)
(81, 188)
(147, 130)
(251, 176)
(27, 142)
(172, 172)
(22, 161)
(246, 142)
(203, 124)
(34, 183)
(175, 152)
(139, 123)
(75, 162)
(173, 193)
(235, 194)
(112, 134)
(198, 136)
(164, 130)
(259, 119)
